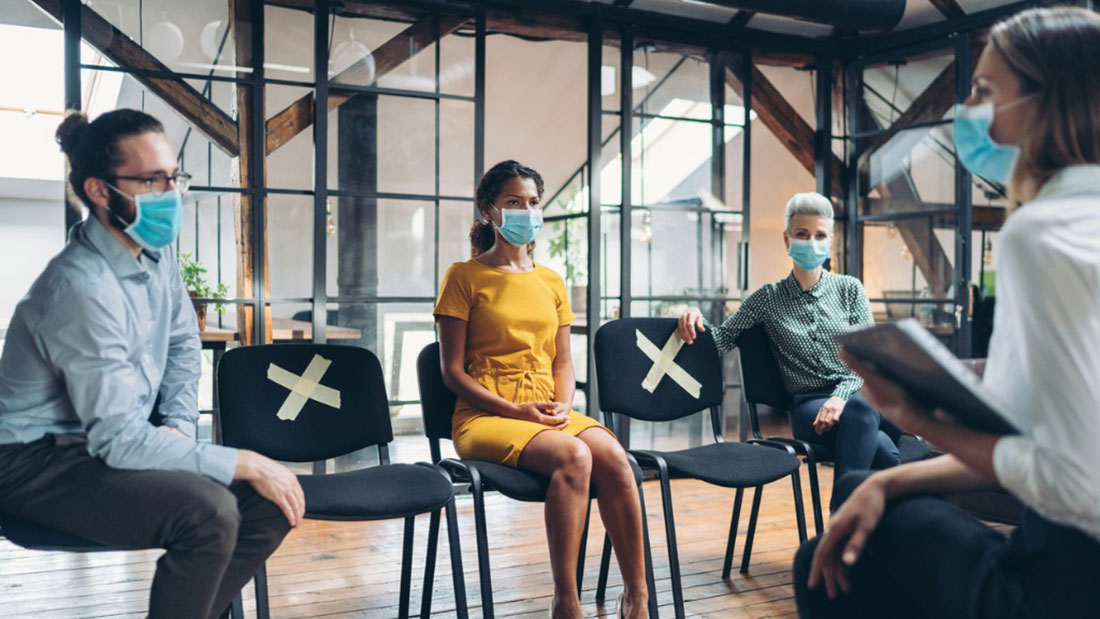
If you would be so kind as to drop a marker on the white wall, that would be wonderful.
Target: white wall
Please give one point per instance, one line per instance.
(31, 232)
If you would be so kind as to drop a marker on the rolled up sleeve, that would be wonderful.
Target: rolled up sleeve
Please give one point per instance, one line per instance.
(1053, 468)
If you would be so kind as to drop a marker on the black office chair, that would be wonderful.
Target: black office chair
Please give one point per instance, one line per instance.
(438, 404)
(761, 383)
(312, 402)
(629, 357)
(32, 536)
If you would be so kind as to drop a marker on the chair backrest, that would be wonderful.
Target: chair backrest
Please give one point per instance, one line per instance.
(761, 381)
(302, 402)
(436, 401)
(629, 357)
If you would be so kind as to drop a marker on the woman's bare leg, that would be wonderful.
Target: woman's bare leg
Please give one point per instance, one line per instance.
(567, 461)
(621, 513)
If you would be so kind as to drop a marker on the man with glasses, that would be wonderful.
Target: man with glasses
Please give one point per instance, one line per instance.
(105, 331)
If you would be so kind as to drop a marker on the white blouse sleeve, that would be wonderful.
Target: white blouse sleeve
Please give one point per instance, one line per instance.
(1047, 283)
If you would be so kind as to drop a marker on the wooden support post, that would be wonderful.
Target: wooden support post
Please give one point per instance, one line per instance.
(357, 170)
(250, 100)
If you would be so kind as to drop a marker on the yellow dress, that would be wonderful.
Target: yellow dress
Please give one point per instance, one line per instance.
(512, 320)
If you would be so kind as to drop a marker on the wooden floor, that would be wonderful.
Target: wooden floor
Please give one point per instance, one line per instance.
(327, 569)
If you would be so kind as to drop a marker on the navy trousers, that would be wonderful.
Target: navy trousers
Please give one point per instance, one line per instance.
(930, 559)
(861, 440)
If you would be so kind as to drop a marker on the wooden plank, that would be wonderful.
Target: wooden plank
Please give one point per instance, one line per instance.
(788, 126)
(351, 569)
(198, 110)
(984, 217)
(249, 99)
(298, 116)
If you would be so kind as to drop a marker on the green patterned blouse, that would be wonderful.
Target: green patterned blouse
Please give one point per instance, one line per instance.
(801, 325)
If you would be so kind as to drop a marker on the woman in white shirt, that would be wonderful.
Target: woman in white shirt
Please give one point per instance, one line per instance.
(894, 548)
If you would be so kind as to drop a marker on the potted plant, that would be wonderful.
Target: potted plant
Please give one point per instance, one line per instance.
(193, 272)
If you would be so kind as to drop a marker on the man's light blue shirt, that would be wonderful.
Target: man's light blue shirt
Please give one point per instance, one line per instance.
(97, 338)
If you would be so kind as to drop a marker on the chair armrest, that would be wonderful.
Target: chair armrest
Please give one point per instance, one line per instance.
(802, 448)
(455, 468)
(773, 444)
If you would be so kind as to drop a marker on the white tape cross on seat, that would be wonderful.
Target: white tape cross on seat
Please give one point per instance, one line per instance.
(303, 388)
(664, 363)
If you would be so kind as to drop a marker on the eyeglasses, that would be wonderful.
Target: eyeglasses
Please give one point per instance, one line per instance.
(158, 182)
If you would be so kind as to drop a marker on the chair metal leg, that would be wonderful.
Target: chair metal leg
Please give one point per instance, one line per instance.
(263, 611)
(236, 608)
(815, 494)
(650, 581)
(605, 567)
(735, 519)
(482, 546)
(583, 547)
(799, 508)
(429, 566)
(406, 567)
(756, 493)
(458, 579)
(670, 536)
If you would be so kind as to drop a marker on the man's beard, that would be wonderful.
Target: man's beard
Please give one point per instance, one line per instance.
(118, 211)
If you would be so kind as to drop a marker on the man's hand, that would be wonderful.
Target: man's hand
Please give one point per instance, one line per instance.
(553, 414)
(829, 414)
(840, 545)
(274, 482)
(690, 321)
(171, 430)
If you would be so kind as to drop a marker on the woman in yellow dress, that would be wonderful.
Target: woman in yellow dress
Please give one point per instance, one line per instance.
(504, 340)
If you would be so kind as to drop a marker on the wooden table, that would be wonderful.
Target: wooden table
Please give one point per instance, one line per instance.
(282, 330)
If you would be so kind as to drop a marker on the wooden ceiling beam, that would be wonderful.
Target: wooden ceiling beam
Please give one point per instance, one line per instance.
(929, 106)
(298, 116)
(788, 126)
(563, 26)
(189, 103)
(949, 8)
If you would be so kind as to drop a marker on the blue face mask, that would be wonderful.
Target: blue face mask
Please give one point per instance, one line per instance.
(157, 220)
(809, 255)
(519, 226)
(976, 149)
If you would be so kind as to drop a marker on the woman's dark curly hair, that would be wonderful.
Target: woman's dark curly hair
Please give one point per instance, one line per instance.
(482, 235)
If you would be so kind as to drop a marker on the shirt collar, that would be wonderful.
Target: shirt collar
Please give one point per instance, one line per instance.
(816, 291)
(121, 261)
(1071, 180)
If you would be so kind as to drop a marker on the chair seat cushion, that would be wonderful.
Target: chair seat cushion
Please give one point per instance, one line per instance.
(375, 493)
(37, 537)
(521, 485)
(912, 449)
(731, 465)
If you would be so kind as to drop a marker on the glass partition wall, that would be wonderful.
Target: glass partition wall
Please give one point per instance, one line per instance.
(916, 237)
(335, 149)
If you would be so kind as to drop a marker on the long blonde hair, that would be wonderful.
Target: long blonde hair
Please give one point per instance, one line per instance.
(1055, 52)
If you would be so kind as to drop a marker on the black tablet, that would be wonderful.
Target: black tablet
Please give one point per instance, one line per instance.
(906, 353)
